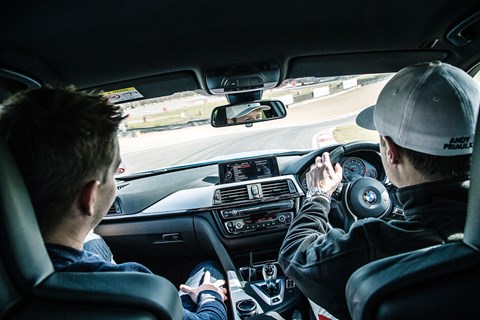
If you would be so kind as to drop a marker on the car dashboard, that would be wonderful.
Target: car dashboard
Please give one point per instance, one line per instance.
(235, 211)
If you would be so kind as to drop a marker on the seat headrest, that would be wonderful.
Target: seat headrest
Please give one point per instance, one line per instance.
(472, 226)
(22, 248)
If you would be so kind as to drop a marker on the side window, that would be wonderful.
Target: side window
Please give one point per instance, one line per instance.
(477, 76)
(476, 72)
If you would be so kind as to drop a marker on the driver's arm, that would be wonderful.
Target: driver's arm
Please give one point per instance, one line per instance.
(320, 258)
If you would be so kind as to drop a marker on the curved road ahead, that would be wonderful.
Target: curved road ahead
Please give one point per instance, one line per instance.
(296, 131)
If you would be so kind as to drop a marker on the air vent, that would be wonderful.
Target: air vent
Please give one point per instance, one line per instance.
(275, 188)
(230, 195)
(116, 208)
(121, 186)
(253, 191)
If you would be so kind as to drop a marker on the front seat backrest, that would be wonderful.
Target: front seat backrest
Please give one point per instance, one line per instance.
(440, 282)
(31, 289)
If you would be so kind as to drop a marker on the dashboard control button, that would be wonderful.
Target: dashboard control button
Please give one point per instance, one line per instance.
(289, 283)
(239, 224)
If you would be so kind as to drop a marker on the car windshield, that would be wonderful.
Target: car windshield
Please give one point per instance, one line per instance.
(175, 130)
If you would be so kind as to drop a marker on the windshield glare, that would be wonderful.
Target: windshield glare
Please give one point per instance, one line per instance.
(175, 130)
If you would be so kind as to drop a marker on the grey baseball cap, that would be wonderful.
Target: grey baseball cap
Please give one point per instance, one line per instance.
(429, 107)
(243, 110)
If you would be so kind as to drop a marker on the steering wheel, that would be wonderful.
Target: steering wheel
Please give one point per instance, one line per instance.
(362, 198)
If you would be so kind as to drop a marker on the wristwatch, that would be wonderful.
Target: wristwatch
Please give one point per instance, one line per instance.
(315, 192)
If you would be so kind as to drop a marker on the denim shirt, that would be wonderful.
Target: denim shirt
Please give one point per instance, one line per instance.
(66, 259)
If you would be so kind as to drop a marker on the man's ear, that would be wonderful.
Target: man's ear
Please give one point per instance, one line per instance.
(88, 196)
(392, 151)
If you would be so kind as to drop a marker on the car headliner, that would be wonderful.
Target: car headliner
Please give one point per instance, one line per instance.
(162, 47)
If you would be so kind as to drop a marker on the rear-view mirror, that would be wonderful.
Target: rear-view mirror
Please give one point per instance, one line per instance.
(247, 113)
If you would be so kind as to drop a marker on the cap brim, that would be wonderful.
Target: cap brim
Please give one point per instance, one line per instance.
(365, 118)
(248, 110)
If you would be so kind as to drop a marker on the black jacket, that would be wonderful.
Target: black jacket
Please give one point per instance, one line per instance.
(321, 259)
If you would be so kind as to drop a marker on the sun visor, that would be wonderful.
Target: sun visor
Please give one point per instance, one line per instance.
(147, 87)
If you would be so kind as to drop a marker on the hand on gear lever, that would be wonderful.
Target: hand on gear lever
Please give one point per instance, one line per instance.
(269, 272)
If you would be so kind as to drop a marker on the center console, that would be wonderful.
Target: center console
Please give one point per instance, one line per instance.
(253, 207)
(265, 289)
(243, 219)
(251, 201)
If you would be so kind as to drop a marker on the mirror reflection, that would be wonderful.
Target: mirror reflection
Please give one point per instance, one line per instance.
(247, 113)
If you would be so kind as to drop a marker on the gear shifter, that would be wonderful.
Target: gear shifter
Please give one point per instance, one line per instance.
(269, 272)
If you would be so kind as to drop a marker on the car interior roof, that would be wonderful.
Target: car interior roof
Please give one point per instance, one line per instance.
(167, 46)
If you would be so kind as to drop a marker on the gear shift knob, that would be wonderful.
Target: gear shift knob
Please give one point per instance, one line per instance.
(269, 272)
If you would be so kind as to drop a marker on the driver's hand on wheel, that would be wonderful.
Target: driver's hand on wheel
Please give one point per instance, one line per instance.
(323, 175)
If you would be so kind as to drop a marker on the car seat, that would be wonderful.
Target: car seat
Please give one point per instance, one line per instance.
(31, 289)
(440, 282)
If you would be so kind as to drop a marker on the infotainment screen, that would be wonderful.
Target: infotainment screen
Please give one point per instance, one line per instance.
(248, 169)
